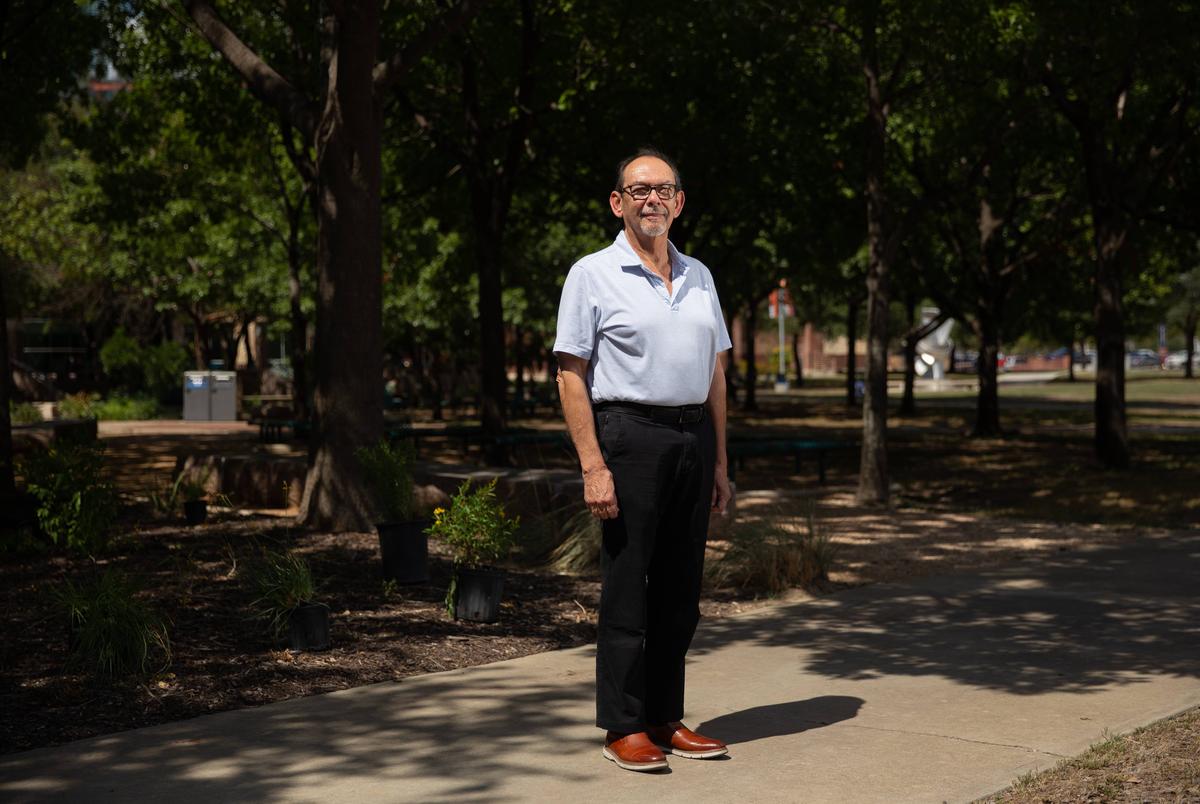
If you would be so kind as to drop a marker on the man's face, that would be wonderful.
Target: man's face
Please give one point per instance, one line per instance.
(653, 216)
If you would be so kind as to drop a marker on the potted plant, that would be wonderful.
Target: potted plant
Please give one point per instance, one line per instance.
(195, 506)
(478, 533)
(403, 544)
(286, 600)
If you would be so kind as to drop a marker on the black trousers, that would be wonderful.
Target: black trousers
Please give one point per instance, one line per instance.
(652, 563)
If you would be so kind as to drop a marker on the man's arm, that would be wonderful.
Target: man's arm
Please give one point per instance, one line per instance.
(716, 409)
(598, 491)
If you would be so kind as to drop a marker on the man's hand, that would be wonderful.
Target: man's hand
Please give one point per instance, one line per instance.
(722, 494)
(599, 493)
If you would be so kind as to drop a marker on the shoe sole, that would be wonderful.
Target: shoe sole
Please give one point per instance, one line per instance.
(633, 766)
(713, 752)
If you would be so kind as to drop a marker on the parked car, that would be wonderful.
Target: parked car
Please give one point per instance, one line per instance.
(1142, 358)
(1177, 360)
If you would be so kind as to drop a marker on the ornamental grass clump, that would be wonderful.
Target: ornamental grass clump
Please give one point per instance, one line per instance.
(772, 556)
(112, 631)
(282, 582)
(388, 471)
(579, 551)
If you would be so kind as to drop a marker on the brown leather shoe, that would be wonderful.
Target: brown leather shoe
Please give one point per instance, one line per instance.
(681, 741)
(633, 752)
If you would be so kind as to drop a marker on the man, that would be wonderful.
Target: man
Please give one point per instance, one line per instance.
(639, 336)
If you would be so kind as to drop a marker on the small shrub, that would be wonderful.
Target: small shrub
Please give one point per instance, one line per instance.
(475, 527)
(119, 407)
(282, 582)
(164, 367)
(476, 530)
(122, 358)
(24, 413)
(78, 406)
(77, 507)
(388, 472)
(113, 632)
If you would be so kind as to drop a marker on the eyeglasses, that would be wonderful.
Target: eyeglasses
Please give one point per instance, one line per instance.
(640, 192)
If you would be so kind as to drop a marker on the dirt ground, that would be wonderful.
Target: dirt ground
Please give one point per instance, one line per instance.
(959, 505)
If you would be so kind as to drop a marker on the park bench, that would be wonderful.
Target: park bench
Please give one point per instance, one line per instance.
(738, 449)
(272, 430)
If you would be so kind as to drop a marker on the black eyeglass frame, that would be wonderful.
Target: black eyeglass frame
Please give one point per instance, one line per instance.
(657, 188)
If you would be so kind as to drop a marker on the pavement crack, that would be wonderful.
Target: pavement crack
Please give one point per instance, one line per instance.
(959, 739)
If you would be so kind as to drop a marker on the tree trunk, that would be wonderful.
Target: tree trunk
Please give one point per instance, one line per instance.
(851, 352)
(749, 401)
(1071, 360)
(987, 402)
(908, 405)
(298, 347)
(493, 375)
(1112, 247)
(349, 332)
(8, 488)
(873, 469)
(797, 362)
(1189, 330)
(519, 359)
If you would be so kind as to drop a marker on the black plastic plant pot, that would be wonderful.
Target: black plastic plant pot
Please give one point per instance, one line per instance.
(195, 511)
(404, 548)
(478, 595)
(309, 627)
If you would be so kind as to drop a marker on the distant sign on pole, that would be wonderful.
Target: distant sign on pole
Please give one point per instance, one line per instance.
(777, 296)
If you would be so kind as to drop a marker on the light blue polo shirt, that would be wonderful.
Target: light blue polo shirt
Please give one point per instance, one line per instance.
(643, 344)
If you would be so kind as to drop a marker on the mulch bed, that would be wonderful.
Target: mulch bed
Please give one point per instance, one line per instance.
(223, 658)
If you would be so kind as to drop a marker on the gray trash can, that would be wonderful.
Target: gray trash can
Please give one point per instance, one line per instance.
(223, 407)
(197, 403)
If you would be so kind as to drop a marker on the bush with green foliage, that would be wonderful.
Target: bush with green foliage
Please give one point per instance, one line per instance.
(24, 413)
(388, 472)
(475, 527)
(78, 406)
(152, 370)
(118, 408)
(282, 582)
(121, 357)
(113, 632)
(77, 507)
(164, 367)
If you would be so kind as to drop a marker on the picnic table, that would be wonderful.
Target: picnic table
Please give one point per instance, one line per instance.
(740, 447)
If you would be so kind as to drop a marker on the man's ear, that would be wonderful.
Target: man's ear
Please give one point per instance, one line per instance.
(679, 198)
(614, 203)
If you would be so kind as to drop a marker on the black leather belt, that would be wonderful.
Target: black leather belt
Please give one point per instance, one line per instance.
(664, 414)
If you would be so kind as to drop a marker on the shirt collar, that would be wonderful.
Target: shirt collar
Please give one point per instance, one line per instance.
(630, 258)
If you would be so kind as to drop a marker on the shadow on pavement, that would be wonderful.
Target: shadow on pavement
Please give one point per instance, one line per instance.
(1076, 624)
(777, 720)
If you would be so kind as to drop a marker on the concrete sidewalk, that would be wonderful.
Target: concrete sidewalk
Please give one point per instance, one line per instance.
(941, 690)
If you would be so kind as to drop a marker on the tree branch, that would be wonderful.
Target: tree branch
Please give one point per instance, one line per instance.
(388, 73)
(263, 81)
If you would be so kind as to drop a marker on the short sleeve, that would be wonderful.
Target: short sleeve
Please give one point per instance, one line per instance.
(723, 341)
(577, 316)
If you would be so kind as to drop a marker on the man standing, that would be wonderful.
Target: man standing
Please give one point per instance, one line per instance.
(643, 392)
